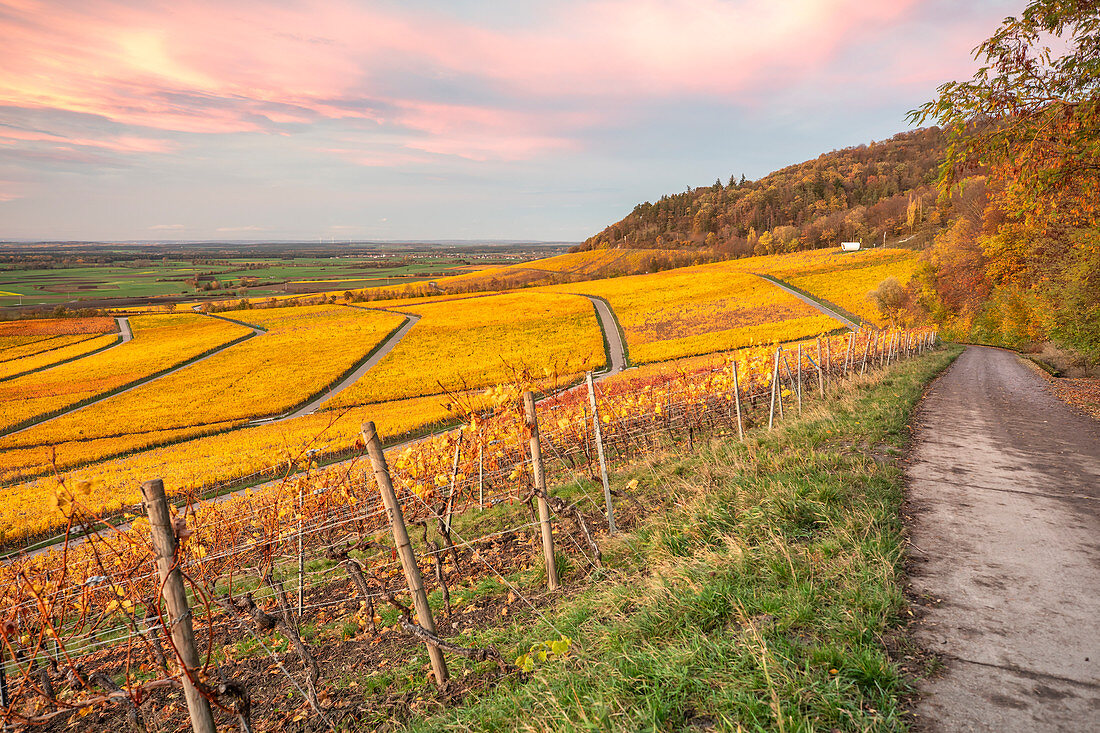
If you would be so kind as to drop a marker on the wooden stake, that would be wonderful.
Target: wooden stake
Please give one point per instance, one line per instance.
(481, 477)
(799, 368)
(848, 351)
(737, 402)
(404, 547)
(301, 551)
(175, 597)
(540, 491)
(598, 433)
(775, 389)
(829, 359)
(866, 348)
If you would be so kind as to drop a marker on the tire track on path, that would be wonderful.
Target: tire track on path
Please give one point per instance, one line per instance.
(1004, 484)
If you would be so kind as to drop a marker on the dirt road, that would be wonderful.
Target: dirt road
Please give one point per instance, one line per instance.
(1004, 485)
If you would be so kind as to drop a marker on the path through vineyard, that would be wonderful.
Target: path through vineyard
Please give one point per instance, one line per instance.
(378, 355)
(1005, 505)
(813, 303)
(607, 323)
(127, 336)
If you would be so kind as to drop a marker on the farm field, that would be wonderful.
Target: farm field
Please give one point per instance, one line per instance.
(701, 309)
(470, 343)
(842, 278)
(160, 343)
(141, 278)
(191, 465)
(60, 349)
(303, 351)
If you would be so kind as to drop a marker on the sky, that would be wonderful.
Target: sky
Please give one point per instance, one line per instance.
(407, 119)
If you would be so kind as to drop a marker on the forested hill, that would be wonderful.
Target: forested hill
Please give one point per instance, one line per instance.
(846, 195)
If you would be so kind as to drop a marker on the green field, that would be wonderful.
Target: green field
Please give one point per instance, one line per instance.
(143, 278)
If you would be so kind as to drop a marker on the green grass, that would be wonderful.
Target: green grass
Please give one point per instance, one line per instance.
(756, 596)
(151, 278)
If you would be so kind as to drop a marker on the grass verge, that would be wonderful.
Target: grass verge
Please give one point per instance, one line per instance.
(755, 595)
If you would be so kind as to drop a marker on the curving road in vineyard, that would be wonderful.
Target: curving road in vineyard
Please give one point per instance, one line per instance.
(380, 353)
(849, 323)
(610, 327)
(127, 335)
(1004, 497)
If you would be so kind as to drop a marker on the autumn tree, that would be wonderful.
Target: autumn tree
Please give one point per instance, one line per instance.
(1029, 116)
(1026, 127)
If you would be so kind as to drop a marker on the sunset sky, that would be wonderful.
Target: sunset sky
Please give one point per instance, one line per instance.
(451, 120)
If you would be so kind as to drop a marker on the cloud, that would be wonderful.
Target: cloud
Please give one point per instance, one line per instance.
(11, 135)
(167, 227)
(451, 85)
(249, 228)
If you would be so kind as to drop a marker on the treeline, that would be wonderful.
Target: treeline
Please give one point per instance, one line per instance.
(1021, 266)
(860, 193)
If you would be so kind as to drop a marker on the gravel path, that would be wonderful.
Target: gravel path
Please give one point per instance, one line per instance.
(1004, 486)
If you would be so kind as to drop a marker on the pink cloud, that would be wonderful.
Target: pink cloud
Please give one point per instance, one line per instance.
(206, 67)
(119, 144)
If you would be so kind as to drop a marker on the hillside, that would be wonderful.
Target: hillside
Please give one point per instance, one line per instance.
(850, 194)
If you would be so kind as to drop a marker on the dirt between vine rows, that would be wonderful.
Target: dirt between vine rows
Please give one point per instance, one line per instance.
(344, 663)
(1004, 498)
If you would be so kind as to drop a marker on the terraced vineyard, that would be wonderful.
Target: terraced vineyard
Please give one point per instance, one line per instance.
(160, 343)
(472, 343)
(700, 310)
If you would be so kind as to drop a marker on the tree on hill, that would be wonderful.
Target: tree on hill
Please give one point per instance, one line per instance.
(1028, 124)
(854, 193)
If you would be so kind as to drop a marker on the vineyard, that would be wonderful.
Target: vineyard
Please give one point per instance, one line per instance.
(301, 352)
(842, 279)
(477, 342)
(700, 310)
(197, 427)
(267, 591)
(160, 343)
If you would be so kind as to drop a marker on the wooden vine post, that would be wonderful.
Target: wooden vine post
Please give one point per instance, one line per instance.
(775, 389)
(737, 402)
(481, 477)
(540, 491)
(597, 430)
(799, 369)
(404, 548)
(175, 597)
(829, 359)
